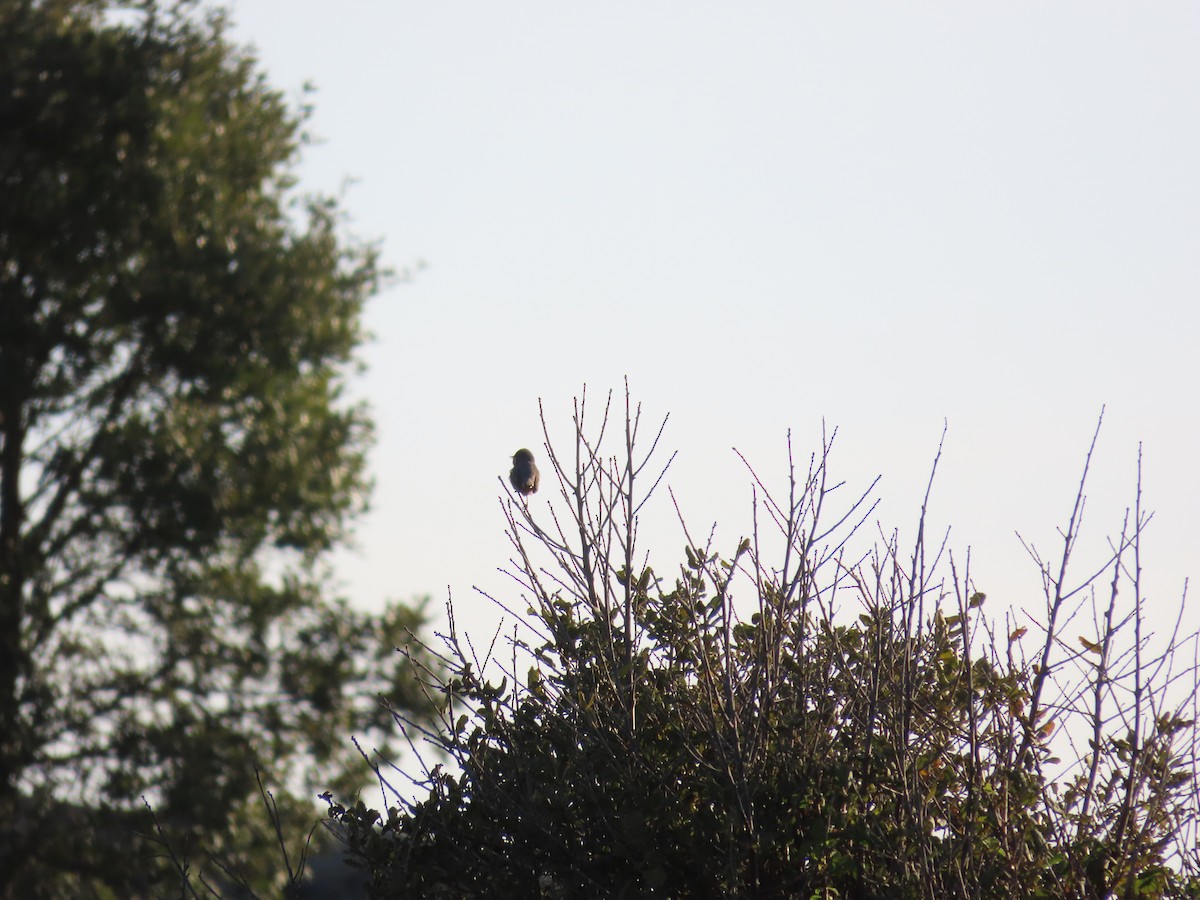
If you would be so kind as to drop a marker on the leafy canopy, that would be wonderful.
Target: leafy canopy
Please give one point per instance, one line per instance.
(177, 455)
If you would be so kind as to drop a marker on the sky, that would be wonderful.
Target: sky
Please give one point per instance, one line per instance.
(885, 218)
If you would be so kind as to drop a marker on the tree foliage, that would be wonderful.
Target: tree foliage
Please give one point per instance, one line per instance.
(792, 719)
(177, 456)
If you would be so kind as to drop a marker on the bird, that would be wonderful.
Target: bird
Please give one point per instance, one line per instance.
(524, 475)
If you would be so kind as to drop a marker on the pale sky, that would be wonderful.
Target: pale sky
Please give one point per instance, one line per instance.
(765, 214)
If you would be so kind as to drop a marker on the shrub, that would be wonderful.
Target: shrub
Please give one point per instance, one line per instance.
(854, 727)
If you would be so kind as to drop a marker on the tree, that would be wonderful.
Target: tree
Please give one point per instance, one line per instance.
(177, 457)
(804, 717)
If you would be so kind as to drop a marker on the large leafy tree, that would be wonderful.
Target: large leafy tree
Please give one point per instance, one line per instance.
(175, 454)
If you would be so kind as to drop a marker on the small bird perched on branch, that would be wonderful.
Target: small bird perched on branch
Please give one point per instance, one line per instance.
(524, 475)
